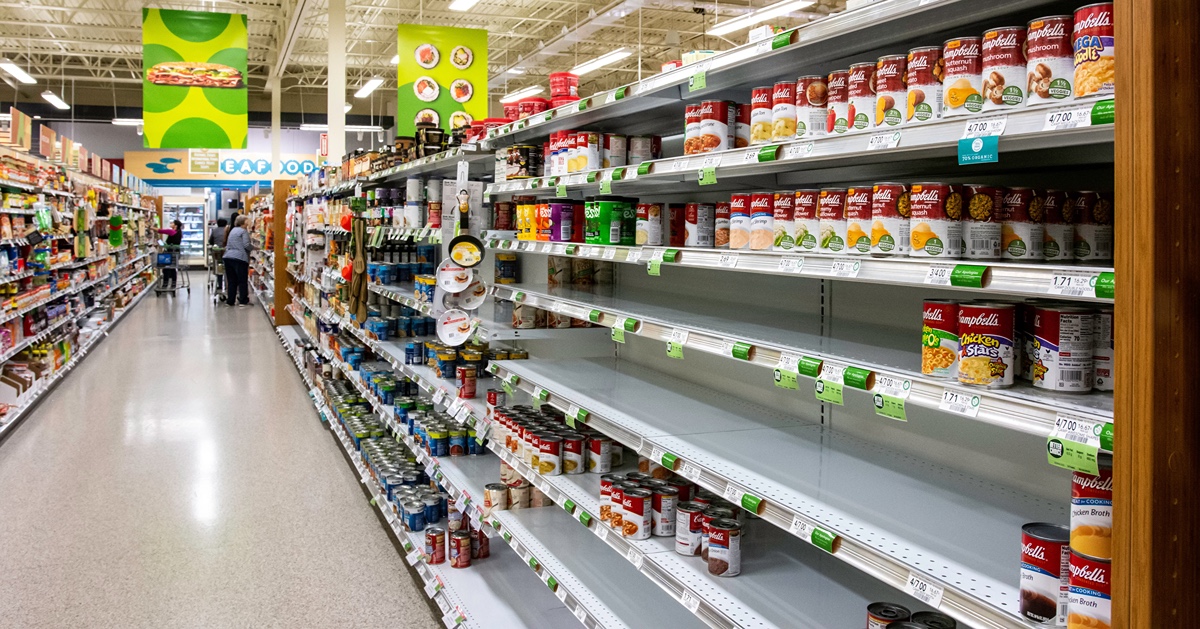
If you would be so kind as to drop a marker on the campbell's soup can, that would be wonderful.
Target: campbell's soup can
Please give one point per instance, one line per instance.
(717, 120)
(691, 132)
(676, 230)
(1093, 226)
(599, 454)
(739, 220)
(858, 220)
(890, 90)
(761, 112)
(837, 116)
(1021, 230)
(1102, 350)
(939, 338)
(784, 225)
(741, 131)
(806, 224)
(688, 528)
(1095, 50)
(614, 150)
(890, 211)
(1004, 79)
(981, 223)
(880, 615)
(724, 547)
(574, 453)
(1089, 596)
(783, 111)
(936, 225)
(812, 95)
(637, 512)
(699, 223)
(1058, 230)
(649, 224)
(1091, 511)
(721, 226)
(1049, 60)
(643, 148)
(588, 144)
(762, 221)
(986, 351)
(962, 59)
(923, 91)
(831, 214)
(1063, 345)
(860, 87)
(663, 511)
(1045, 573)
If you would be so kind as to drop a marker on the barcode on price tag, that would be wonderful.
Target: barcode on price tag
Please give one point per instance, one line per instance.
(798, 151)
(580, 613)
(924, 589)
(788, 264)
(438, 396)
(602, 531)
(843, 267)
(712, 161)
(983, 127)
(1068, 118)
(733, 494)
(750, 157)
(1073, 283)
(960, 403)
(788, 362)
(939, 274)
(727, 260)
(893, 386)
(1071, 428)
(689, 600)
(832, 371)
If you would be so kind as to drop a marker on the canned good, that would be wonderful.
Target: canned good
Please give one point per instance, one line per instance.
(761, 113)
(981, 224)
(936, 226)
(717, 119)
(837, 115)
(663, 511)
(890, 90)
(1091, 511)
(1049, 59)
(549, 455)
(783, 111)
(699, 225)
(1045, 552)
(691, 133)
(721, 225)
(880, 615)
(481, 547)
(614, 151)
(616, 496)
(465, 378)
(962, 58)
(527, 317)
(725, 548)
(710, 513)
(587, 151)
(831, 212)
(762, 219)
(805, 221)
(1093, 226)
(741, 126)
(1089, 596)
(643, 148)
(495, 496)
(923, 90)
(934, 620)
(688, 528)
(599, 455)
(890, 211)
(939, 338)
(636, 508)
(676, 234)
(518, 496)
(606, 484)
(812, 94)
(858, 220)
(649, 224)
(435, 545)
(1095, 50)
(860, 86)
(1102, 350)
(573, 454)
(1021, 232)
(1062, 349)
(1058, 231)
(460, 549)
(739, 218)
(1003, 68)
(986, 354)
(784, 208)
(682, 486)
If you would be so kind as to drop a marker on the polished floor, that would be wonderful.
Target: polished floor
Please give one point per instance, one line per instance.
(180, 478)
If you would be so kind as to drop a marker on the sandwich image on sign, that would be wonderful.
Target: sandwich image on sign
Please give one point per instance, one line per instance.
(189, 74)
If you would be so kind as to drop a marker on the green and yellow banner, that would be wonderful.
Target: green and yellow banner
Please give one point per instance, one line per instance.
(194, 79)
(443, 76)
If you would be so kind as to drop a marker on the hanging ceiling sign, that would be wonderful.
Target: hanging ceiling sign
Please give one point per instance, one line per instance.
(209, 166)
(194, 86)
(443, 76)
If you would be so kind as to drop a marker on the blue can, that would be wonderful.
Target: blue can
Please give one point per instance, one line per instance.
(433, 509)
(414, 515)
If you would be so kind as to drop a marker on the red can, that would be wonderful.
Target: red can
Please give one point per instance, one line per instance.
(435, 545)
(860, 84)
(741, 135)
(1089, 597)
(890, 210)
(986, 336)
(924, 83)
(683, 486)
(531, 106)
(676, 223)
(1091, 511)
(637, 506)
(981, 221)
(1045, 561)
(721, 225)
(578, 223)
(962, 58)
(460, 549)
(512, 111)
(805, 207)
(939, 338)
(574, 457)
(691, 132)
(760, 115)
(1050, 62)
(1021, 214)
(739, 218)
(784, 205)
(837, 117)
(936, 226)
(890, 90)
(563, 84)
(717, 120)
(1095, 50)
(811, 91)
(783, 111)
(1004, 79)
(858, 219)
(481, 548)
(599, 455)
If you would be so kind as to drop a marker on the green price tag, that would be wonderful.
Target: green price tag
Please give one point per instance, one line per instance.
(571, 249)
(644, 167)
(507, 537)
(1077, 457)
(890, 407)
(698, 81)
(741, 351)
(654, 267)
(768, 153)
(518, 296)
(1106, 437)
(534, 183)
(829, 391)
(668, 460)
(1105, 288)
(810, 367)
(620, 93)
(560, 190)
(408, 547)
(585, 518)
(1103, 112)
(671, 255)
(674, 350)
(708, 176)
(823, 539)
(751, 502)
(618, 174)
(618, 335)
(542, 394)
(552, 583)
(583, 104)
(594, 316)
(569, 505)
(591, 177)
(605, 187)
(856, 377)
(533, 563)
(969, 275)
(781, 40)
(785, 379)
(548, 117)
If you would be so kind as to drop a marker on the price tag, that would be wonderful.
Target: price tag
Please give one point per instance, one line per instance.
(814, 535)
(654, 267)
(727, 260)
(984, 127)
(413, 557)
(635, 557)
(707, 176)
(1073, 283)
(560, 190)
(787, 372)
(690, 472)
(561, 593)
(606, 187)
(829, 391)
(889, 406)
(689, 600)
(893, 386)
(798, 150)
(610, 97)
(438, 396)
(580, 613)
(750, 157)
(880, 141)
(698, 81)
(609, 253)
(939, 274)
(618, 335)
(547, 248)
(602, 532)
(845, 267)
(1069, 118)
(634, 255)
(960, 403)
(924, 589)
(1074, 443)
(747, 501)
(789, 264)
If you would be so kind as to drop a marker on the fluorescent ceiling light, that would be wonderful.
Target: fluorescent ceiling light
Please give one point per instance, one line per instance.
(347, 107)
(127, 122)
(308, 126)
(517, 71)
(368, 87)
(463, 5)
(522, 93)
(53, 99)
(16, 71)
(601, 61)
(762, 15)
(396, 60)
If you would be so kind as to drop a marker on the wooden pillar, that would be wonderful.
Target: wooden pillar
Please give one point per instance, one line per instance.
(1156, 554)
(279, 227)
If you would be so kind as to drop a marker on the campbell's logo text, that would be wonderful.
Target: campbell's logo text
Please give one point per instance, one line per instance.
(858, 197)
(1096, 483)
(1051, 29)
(989, 320)
(933, 314)
(1102, 19)
(960, 51)
(1001, 40)
(1034, 551)
(883, 194)
(1091, 574)
(926, 195)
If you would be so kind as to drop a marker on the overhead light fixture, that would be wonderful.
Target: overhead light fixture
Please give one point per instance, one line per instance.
(516, 71)
(15, 70)
(310, 126)
(127, 122)
(53, 99)
(396, 60)
(368, 87)
(347, 107)
(522, 93)
(601, 61)
(762, 15)
(463, 5)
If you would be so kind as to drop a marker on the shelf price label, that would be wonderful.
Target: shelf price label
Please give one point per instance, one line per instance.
(960, 403)
(698, 81)
(606, 186)
(654, 268)
(830, 382)
(814, 535)
(985, 127)
(924, 589)
(576, 414)
(690, 601)
(791, 264)
(845, 267)
(727, 260)
(635, 557)
(798, 150)
(1073, 283)
(745, 500)
(675, 344)
(887, 140)
(890, 396)
(707, 176)
(787, 372)
(560, 190)
(1074, 443)
(664, 458)
(1068, 118)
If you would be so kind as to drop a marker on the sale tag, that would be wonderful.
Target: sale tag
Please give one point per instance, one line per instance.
(1074, 444)
(698, 81)
(982, 150)
(889, 406)
(787, 372)
(880, 141)
(654, 267)
(618, 335)
(924, 589)
(708, 176)
(960, 403)
(983, 127)
(1073, 283)
(606, 187)
(845, 267)
(829, 391)
(674, 350)
(788, 264)
(1070, 118)
(561, 190)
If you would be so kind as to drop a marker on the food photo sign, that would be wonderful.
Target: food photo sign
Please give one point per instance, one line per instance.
(443, 76)
(194, 81)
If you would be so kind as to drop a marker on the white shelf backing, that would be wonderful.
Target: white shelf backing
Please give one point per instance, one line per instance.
(776, 332)
(896, 514)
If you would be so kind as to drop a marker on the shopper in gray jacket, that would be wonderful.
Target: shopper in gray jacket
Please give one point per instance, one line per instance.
(237, 263)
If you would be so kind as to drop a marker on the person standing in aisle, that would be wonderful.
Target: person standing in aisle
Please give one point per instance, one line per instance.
(174, 242)
(237, 263)
(216, 246)
(232, 219)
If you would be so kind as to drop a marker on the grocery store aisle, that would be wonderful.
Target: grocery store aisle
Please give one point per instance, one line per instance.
(180, 478)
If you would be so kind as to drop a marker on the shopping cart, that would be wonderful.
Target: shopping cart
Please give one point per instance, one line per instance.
(167, 260)
(215, 263)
